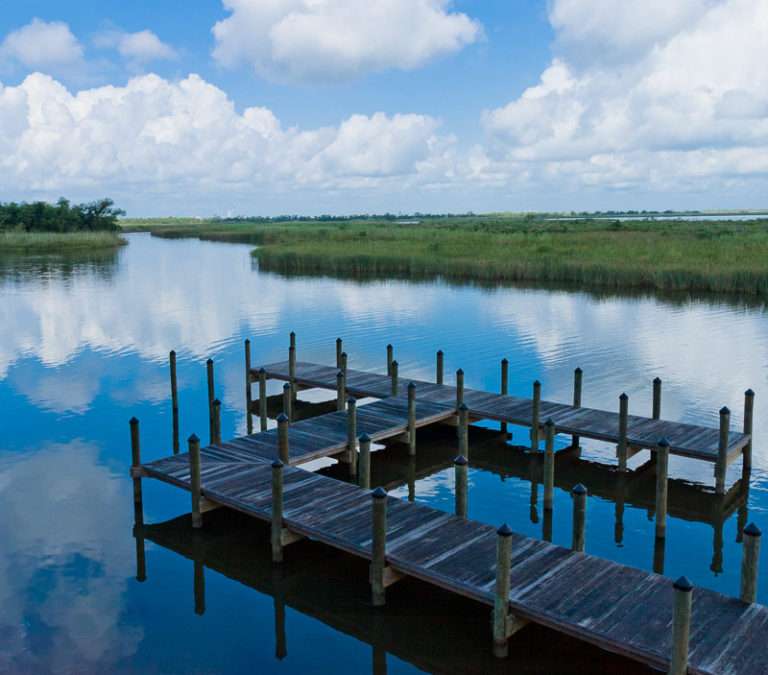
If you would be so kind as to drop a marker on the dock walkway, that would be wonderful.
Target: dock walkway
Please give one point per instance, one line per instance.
(618, 608)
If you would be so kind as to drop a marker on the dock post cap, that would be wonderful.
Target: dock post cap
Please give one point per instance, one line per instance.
(460, 370)
(578, 369)
(461, 460)
(504, 531)
(133, 421)
(657, 380)
(749, 392)
(724, 410)
(352, 400)
(752, 530)
(343, 354)
(549, 422)
(411, 385)
(339, 374)
(623, 396)
(217, 401)
(379, 493)
(394, 362)
(282, 418)
(209, 361)
(536, 383)
(389, 345)
(287, 385)
(682, 584)
(277, 464)
(193, 439)
(293, 334)
(505, 360)
(173, 351)
(364, 438)
(439, 351)
(579, 489)
(262, 370)
(463, 407)
(247, 341)
(663, 443)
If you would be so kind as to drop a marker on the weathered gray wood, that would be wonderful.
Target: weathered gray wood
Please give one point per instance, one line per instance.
(364, 470)
(341, 390)
(138, 508)
(656, 409)
(461, 479)
(378, 546)
(462, 430)
(292, 367)
(248, 393)
(578, 376)
(439, 367)
(535, 416)
(211, 395)
(352, 436)
(394, 375)
(411, 418)
(277, 511)
(504, 388)
(749, 407)
(579, 495)
(662, 464)
(501, 594)
(288, 401)
(721, 466)
(282, 438)
(681, 627)
(390, 359)
(623, 446)
(750, 560)
(194, 473)
(175, 402)
(339, 350)
(459, 387)
(262, 399)
(216, 440)
(549, 465)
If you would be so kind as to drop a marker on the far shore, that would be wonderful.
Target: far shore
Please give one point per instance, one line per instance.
(58, 242)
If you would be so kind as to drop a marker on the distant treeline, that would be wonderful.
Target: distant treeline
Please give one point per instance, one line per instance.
(98, 216)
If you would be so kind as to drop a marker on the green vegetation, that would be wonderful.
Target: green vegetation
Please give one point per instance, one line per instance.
(52, 228)
(670, 255)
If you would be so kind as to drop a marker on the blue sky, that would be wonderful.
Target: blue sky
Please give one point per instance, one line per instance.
(275, 106)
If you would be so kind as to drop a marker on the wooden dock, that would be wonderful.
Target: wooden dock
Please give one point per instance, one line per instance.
(615, 607)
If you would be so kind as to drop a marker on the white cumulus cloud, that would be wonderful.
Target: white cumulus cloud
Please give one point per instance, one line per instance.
(338, 39)
(657, 95)
(41, 44)
(140, 47)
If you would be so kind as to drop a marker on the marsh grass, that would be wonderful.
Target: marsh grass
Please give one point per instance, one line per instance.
(58, 242)
(669, 255)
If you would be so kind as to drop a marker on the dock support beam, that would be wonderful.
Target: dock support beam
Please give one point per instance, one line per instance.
(194, 474)
(343, 366)
(211, 395)
(535, 415)
(746, 453)
(439, 367)
(282, 439)
(579, 495)
(288, 401)
(463, 430)
(390, 359)
(578, 376)
(276, 535)
(138, 500)
(656, 410)
(174, 402)
(459, 387)
(341, 390)
(622, 449)
(339, 350)
(262, 399)
(749, 563)
(378, 546)
(504, 624)
(248, 394)
(681, 626)
(461, 471)
(352, 436)
(662, 470)
(721, 465)
(364, 470)
(393, 368)
(549, 465)
(216, 440)
(504, 388)
(292, 366)
(411, 419)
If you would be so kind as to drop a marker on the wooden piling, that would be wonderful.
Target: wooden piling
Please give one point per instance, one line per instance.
(411, 419)
(621, 449)
(211, 395)
(656, 409)
(439, 367)
(174, 402)
(504, 389)
(390, 359)
(292, 340)
(535, 416)
(341, 390)
(549, 465)
(461, 472)
(750, 559)
(462, 430)
(501, 594)
(378, 546)
(262, 399)
(662, 466)
(393, 372)
(352, 436)
(364, 468)
(578, 375)
(721, 465)
(216, 440)
(292, 367)
(138, 501)
(339, 349)
(283, 450)
(141, 553)
(194, 473)
(659, 553)
(343, 365)
(248, 394)
(459, 387)
(681, 626)
(746, 453)
(276, 534)
(579, 495)
(288, 401)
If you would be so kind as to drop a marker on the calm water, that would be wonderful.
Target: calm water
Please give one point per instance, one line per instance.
(84, 345)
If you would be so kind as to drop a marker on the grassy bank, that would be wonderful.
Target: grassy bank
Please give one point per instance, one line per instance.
(699, 256)
(58, 242)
